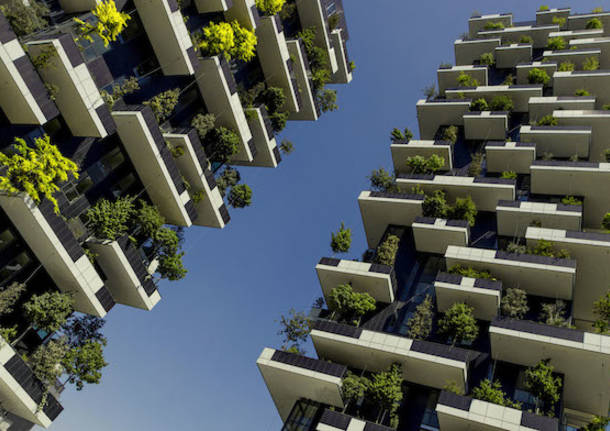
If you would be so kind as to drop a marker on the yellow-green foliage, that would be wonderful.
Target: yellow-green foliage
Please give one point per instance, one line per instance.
(270, 7)
(110, 23)
(232, 40)
(36, 170)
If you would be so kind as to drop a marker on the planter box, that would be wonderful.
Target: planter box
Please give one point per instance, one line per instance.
(542, 106)
(597, 82)
(206, 6)
(309, 110)
(523, 71)
(267, 151)
(483, 295)
(539, 34)
(576, 56)
(485, 125)
(561, 141)
(579, 21)
(447, 78)
(520, 94)
(312, 13)
(478, 23)
(600, 43)
(599, 121)
(545, 17)
(509, 156)
(510, 56)
(435, 235)
(245, 12)
(469, 51)
(344, 72)
(401, 151)
(431, 114)
(514, 217)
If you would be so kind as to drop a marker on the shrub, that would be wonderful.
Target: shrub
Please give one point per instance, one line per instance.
(601, 309)
(9, 296)
(341, 241)
(554, 314)
(327, 100)
(501, 103)
(221, 143)
(459, 324)
(597, 10)
(49, 311)
(556, 43)
(450, 134)
(510, 175)
(566, 66)
(493, 393)
(571, 200)
(240, 196)
(333, 21)
(385, 390)
(546, 248)
(228, 178)
(421, 165)
(110, 23)
(543, 8)
(526, 39)
(582, 92)
(44, 363)
(492, 25)
(464, 209)
(382, 181)
(229, 39)
(466, 80)
(397, 135)
(294, 330)
(24, 19)
(350, 305)
(509, 80)
(594, 23)
(598, 423)
(469, 272)
(487, 59)
(245, 42)
(128, 86)
(203, 123)
(148, 219)
(354, 387)
(163, 104)
(286, 146)
(479, 105)
(538, 76)
(420, 324)
(435, 205)
(110, 220)
(386, 252)
(591, 63)
(606, 221)
(270, 7)
(548, 120)
(559, 21)
(539, 380)
(476, 165)
(514, 303)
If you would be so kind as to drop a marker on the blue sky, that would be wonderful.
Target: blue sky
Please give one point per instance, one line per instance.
(190, 363)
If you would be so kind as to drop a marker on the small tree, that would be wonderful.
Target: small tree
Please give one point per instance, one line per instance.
(149, 219)
(526, 39)
(228, 178)
(571, 200)
(44, 363)
(349, 305)
(83, 364)
(110, 23)
(327, 100)
(203, 123)
(25, 19)
(286, 146)
(171, 266)
(110, 220)
(270, 7)
(9, 296)
(36, 171)
(566, 66)
(514, 303)
(240, 196)
(479, 105)
(382, 181)
(548, 120)
(81, 328)
(493, 393)
(231, 40)
(221, 143)
(128, 86)
(466, 80)
(494, 25)
(49, 311)
(421, 165)
(163, 104)
(538, 76)
(385, 390)
(435, 205)
(420, 324)
(594, 23)
(539, 380)
(487, 59)
(450, 134)
(353, 388)
(341, 241)
(386, 252)
(599, 423)
(591, 63)
(464, 209)
(245, 42)
(459, 324)
(556, 43)
(397, 135)
(294, 330)
(554, 314)
(501, 103)
(601, 308)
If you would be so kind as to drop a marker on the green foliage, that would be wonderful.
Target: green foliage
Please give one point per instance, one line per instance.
(452, 386)
(606, 222)
(556, 43)
(354, 387)
(598, 10)
(598, 423)
(341, 241)
(559, 21)
(450, 134)
(509, 80)
(110, 23)
(571, 200)
(514, 303)
(590, 63)
(459, 324)
(420, 324)
(203, 123)
(49, 311)
(294, 330)
(492, 25)
(582, 93)
(228, 178)
(25, 19)
(601, 309)
(83, 364)
(229, 39)
(43, 59)
(421, 165)
(171, 266)
(128, 86)
(176, 150)
(487, 59)
(435, 205)
(286, 146)
(110, 220)
(44, 363)
(9, 296)
(566, 66)
(501, 103)
(554, 314)
(594, 23)
(221, 143)
(240, 196)
(526, 39)
(149, 219)
(318, 58)
(509, 175)
(270, 7)
(464, 209)
(350, 305)
(8, 334)
(470, 272)
(352, 66)
(538, 76)
(397, 135)
(493, 393)
(466, 80)
(476, 165)
(333, 21)
(382, 181)
(543, 8)
(546, 248)
(386, 251)
(327, 100)
(430, 91)
(385, 389)
(479, 105)
(163, 104)
(539, 380)
(36, 171)
(548, 120)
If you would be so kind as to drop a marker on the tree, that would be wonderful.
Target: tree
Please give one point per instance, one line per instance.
(539, 380)
(476, 165)
(464, 209)
(229, 39)
(594, 23)
(44, 363)
(469, 272)
(149, 219)
(554, 314)
(435, 205)
(599, 423)
(493, 393)
(270, 7)
(382, 181)
(286, 147)
(240, 196)
(245, 42)
(459, 324)
(538, 76)
(163, 104)
(501, 102)
(420, 324)
(385, 390)
(546, 248)
(79, 329)
(514, 303)
(548, 120)
(25, 19)
(341, 241)
(171, 266)
(601, 308)
(397, 135)
(221, 143)
(83, 364)
(349, 305)
(228, 178)
(430, 91)
(49, 311)
(9, 296)
(36, 171)
(566, 66)
(386, 252)
(327, 100)
(606, 222)
(421, 165)
(110, 220)
(487, 59)
(479, 105)
(110, 23)
(353, 388)
(128, 86)
(450, 134)
(556, 43)
(203, 123)
(294, 330)
(466, 80)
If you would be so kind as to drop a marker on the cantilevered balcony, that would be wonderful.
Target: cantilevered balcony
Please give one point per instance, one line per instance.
(469, 51)
(128, 279)
(509, 56)
(583, 358)
(423, 362)
(537, 275)
(579, 21)
(401, 151)
(344, 71)
(461, 413)
(485, 192)
(194, 167)
(78, 97)
(381, 209)
(577, 56)
(484, 295)
(448, 76)
(205, 6)
(599, 121)
(524, 69)
(509, 156)
(290, 377)
(263, 136)
(601, 43)
(596, 82)
(309, 110)
(140, 134)
(519, 94)
(21, 392)
(542, 106)
(219, 91)
(54, 244)
(23, 97)
(546, 17)
(431, 114)
(312, 13)
(560, 141)
(73, 6)
(477, 23)
(244, 11)
(166, 30)
(333, 421)
(591, 250)
(434, 235)
(377, 280)
(485, 125)
(570, 35)
(275, 59)
(539, 34)
(514, 217)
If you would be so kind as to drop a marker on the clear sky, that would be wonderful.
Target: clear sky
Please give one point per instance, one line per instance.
(190, 364)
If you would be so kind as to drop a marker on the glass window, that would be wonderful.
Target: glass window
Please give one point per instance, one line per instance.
(123, 185)
(331, 8)
(6, 239)
(15, 265)
(100, 169)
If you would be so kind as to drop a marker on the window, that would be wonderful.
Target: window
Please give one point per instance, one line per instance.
(303, 417)
(331, 8)
(6, 239)
(15, 265)
(103, 167)
(123, 185)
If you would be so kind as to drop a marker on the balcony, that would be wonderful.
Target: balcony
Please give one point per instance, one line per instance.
(509, 56)
(485, 192)
(381, 209)
(312, 13)
(524, 69)
(206, 6)
(579, 21)
(244, 11)
(434, 235)
(537, 275)
(431, 114)
(546, 17)
(460, 413)
(21, 392)
(575, 179)
(219, 91)
(267, 152)
(542, 106)
(344, 71)
(275, 59)
(469, 51)
(73, 6)
(290, 377)
(379, 281)
(601, 43)
(332, 421)
(401, 151)
(140, 134)
(478, 23)
(570, 35)
(509, 156)
(540, 34)
(582, 357)
(309, 110)
(166, 30)
(597, 82)
(560, 141)
(485, 125)
(128, 279)
(519, 94)
(23, 97)
(483, 295)
(78, 97)
(193, 165)
(598, 120)
(576, 56)
(591, 251)
(54, 244)
(423, 362)
(447, 77)
(514, 217)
